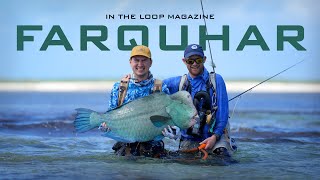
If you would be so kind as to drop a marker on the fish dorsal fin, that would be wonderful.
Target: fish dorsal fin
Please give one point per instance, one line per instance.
(158, 120)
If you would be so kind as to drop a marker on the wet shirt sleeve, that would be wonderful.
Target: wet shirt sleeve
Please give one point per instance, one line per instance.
(172, 84)
(113, 102)
(222, 113)
(165, 88)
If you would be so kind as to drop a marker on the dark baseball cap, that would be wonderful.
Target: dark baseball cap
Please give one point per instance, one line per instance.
(193, 49)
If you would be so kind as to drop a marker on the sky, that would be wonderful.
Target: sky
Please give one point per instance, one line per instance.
(252, 63)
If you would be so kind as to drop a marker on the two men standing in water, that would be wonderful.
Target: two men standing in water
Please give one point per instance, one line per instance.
(208, 92)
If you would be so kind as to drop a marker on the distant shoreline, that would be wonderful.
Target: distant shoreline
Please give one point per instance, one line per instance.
(103, 86)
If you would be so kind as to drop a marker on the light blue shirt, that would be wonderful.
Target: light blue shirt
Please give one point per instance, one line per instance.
(135, 91)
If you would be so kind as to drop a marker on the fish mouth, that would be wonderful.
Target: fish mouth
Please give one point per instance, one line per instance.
(192, 122)
(195, 114)
(193, 119)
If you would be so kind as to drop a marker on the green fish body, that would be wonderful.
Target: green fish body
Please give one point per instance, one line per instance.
(142, 119)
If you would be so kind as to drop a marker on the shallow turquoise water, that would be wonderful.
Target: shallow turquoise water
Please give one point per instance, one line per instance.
(277, 138)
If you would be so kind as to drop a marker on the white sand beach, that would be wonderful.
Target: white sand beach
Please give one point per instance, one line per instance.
(274, 87)
(102, 86)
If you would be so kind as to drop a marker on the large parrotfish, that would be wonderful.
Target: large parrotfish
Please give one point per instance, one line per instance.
(142, 119)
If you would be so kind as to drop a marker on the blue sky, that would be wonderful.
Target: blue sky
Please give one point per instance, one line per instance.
(250, 64)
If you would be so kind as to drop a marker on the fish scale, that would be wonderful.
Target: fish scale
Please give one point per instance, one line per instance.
(142, 119)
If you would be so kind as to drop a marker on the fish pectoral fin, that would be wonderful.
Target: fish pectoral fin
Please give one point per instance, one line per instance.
(158, 120)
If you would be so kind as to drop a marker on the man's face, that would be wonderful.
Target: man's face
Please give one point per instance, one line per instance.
(140, 66)
(194, 69)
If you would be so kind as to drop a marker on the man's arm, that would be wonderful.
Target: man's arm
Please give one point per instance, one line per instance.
(222, 113)
(172, 84)
(113, 102)
(165, 88)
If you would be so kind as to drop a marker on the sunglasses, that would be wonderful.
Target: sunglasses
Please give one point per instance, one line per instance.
(191, 61)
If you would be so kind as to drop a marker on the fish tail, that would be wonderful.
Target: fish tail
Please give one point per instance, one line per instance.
(85, 121)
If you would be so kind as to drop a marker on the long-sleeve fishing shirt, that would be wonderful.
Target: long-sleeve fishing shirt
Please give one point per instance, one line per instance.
(135, 90)
(199, 83)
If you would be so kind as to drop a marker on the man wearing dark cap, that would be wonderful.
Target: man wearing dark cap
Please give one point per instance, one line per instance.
(210, 97)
